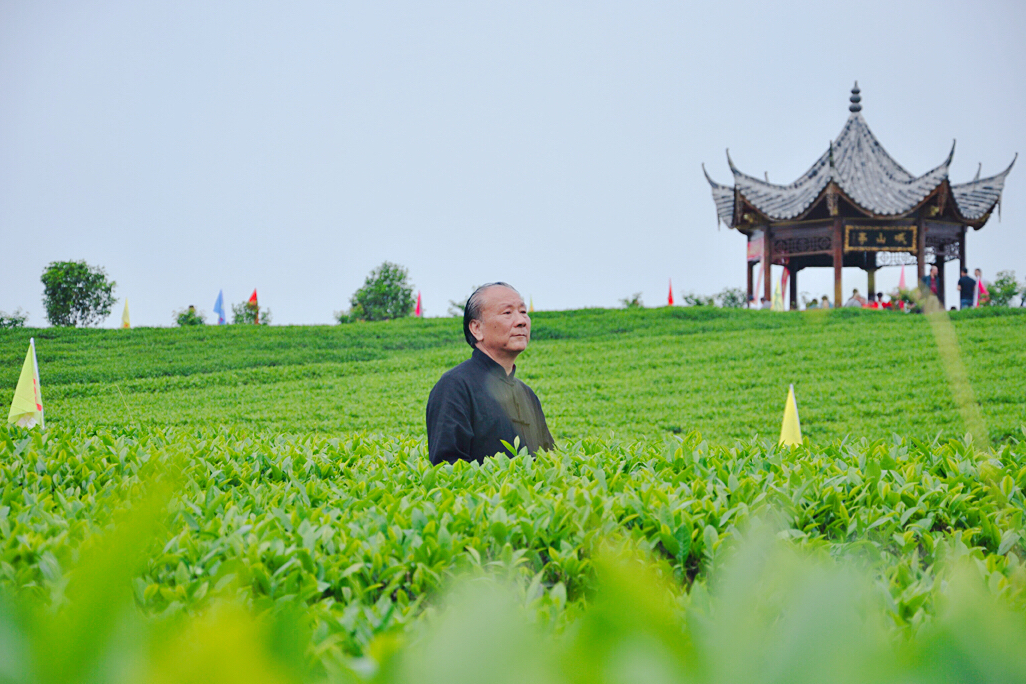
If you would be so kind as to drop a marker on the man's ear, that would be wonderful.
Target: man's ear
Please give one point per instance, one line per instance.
(475, 330)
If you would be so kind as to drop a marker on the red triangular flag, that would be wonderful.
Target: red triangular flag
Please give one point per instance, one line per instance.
(670, 298)
(417, 313)
(901, 281)
(256, 307)
(783, 283)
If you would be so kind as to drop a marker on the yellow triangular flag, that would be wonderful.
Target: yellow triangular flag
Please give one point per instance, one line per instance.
(531, 308)
(791, 428)
(27, 405)
(778, 301)
(125, 321)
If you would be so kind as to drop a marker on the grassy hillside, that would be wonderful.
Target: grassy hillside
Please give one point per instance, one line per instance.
(230, 480)
(636, 373)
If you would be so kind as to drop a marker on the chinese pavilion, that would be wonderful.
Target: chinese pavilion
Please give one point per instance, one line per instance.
(856, 206)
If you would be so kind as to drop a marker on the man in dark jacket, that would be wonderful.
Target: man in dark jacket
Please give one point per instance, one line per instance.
(480, 404)
(966, 289)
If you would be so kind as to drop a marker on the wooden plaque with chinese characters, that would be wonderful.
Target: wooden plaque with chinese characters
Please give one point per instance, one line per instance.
(880, 238)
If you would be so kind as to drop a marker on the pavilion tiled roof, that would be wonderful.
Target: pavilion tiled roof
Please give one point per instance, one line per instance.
(863, 170)
(977, 197)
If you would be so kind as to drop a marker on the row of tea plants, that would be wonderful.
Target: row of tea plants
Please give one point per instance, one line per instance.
(343, 547)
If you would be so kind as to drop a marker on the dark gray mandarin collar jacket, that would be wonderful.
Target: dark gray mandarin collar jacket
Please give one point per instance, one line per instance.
(475, 406)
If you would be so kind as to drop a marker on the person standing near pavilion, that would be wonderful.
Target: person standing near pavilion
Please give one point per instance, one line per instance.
(981, 295)
(478, 405)
(856, 300)
(966, 289)
(931, 282)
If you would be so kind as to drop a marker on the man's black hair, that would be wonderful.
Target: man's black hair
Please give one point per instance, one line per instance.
(472, 310)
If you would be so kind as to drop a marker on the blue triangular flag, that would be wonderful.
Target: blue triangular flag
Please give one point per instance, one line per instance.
(219, 307)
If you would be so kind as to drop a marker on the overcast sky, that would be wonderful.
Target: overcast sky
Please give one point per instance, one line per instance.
(292, 147)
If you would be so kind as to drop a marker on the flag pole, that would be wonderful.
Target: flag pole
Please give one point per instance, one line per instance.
(39, 387)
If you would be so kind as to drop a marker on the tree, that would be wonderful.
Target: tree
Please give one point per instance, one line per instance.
(13, 320)
(732, 298)
(1004, 289)
(247, 312)
(386, 294)
(458, 306)
(189, 316)
(632, 302)
(75, 293)
(692, 299)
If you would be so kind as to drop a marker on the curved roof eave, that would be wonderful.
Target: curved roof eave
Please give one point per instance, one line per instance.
(723, 198)
(785, 202)
(975, 200)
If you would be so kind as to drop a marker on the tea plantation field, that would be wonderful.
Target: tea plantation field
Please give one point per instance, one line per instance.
(637, 373)
(262, 497)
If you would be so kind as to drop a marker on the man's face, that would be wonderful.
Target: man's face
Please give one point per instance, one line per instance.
(504, 326)
(933, 270)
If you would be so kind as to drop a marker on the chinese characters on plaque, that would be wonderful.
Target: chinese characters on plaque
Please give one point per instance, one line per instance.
(880, 238)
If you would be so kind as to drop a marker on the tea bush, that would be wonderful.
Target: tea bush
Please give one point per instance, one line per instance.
(363, 531)
(263, 498)
(638, 373)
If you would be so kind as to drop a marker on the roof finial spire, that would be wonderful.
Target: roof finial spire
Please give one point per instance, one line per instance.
(855, 99)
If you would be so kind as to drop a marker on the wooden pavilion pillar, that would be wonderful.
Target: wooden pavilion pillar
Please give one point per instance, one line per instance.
(794, 290)
(962, 263)
(767, 260)
(940, 275)
(750, 283)
(838, 245)
(871, 272)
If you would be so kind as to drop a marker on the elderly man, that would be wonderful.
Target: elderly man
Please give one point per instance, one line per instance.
(480, 404)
